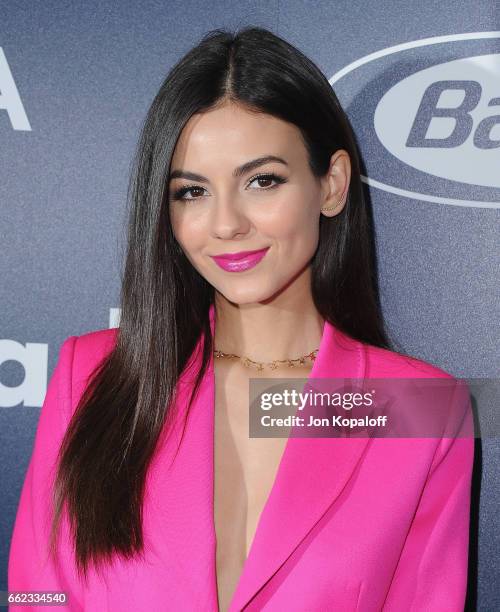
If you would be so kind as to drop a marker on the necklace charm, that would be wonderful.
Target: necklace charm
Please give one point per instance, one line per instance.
(273, 365)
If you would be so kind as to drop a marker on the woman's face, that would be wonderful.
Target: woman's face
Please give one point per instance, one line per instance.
(227, 208)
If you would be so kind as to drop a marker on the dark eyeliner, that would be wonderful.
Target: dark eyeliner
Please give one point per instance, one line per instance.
(279, 180)
(178, 195)
(270, 175)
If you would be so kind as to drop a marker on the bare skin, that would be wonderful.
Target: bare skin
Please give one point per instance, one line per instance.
(265, 313)
(245, 470)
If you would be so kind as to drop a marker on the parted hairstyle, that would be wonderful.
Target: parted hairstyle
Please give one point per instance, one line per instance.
(112, 436)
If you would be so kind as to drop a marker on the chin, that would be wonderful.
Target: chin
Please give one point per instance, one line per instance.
(245, 297)
(247, 294)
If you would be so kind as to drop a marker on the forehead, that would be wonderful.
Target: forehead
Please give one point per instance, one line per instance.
(231, 134)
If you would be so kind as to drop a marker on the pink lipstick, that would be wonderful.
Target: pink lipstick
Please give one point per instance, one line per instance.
(239, 262)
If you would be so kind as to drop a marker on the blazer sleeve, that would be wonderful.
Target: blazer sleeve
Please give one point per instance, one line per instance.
(30, 567)
(431, 574)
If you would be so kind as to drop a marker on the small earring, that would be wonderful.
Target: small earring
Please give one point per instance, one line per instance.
(332, 207)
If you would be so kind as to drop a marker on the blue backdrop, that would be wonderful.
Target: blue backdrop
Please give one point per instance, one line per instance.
(419, 82)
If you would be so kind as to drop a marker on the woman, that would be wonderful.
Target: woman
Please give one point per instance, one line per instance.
(249, 256)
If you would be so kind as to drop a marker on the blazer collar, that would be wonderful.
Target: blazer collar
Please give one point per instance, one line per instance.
(311, 475)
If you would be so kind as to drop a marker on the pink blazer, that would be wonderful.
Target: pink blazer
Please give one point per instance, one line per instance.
(350, 524)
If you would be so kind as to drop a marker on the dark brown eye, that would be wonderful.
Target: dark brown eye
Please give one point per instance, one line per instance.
(264, 179)
(180, 193)
(196, 192)
(267, 178)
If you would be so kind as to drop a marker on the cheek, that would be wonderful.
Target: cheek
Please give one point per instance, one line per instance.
(296, 222)
(188, 232)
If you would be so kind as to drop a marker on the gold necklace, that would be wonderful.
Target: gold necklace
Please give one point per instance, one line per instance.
(272, 364)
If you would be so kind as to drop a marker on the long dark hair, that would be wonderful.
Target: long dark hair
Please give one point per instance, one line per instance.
(165, 302)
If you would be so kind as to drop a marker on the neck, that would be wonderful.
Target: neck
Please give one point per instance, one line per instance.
(267, 332)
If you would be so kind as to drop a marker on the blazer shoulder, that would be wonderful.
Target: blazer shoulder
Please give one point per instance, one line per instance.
(383, 362)
(90, 349)
(98, 340)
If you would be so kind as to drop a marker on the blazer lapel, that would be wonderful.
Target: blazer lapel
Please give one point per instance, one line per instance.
(311, 475)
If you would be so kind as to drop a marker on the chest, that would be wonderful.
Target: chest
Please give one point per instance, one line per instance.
(244, 473)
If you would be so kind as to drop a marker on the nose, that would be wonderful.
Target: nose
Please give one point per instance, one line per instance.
(228, 218)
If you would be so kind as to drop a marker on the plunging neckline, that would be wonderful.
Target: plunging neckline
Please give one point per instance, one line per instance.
(211, 373)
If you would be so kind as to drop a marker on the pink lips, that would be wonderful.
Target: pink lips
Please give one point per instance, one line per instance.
(239, 262)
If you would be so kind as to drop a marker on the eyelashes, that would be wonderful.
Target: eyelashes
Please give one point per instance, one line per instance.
(182, 191)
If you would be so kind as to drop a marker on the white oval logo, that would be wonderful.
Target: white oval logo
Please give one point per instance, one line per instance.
(451, 124)
(443, 120)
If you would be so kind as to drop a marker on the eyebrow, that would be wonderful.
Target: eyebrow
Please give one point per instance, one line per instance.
(237, 172)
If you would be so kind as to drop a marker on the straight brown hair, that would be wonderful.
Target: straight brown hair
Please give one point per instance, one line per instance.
(113, 434)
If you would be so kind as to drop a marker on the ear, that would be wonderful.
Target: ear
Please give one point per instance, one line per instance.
(336, 184)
